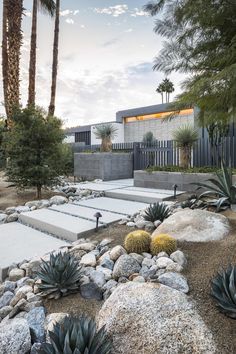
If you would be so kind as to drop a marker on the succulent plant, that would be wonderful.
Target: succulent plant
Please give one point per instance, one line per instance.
(137, 242)
(60, 276)
(157, 211)
(223, 290)
(77, 336)
(163, 243)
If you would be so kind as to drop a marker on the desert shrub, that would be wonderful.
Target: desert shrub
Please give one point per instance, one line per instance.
(163, 243)
(157, 211)
(137, 242)
(203, 169)
(60, 276)
(77, 336)
(223, 290)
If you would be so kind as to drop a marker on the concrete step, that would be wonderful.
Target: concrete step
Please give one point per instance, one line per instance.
(61, 225)
(20, 242)
(86, 213)
(137, 195)
(123, 207)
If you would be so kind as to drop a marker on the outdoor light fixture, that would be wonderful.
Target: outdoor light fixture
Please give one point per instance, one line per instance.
(175, 189)
(97, 215)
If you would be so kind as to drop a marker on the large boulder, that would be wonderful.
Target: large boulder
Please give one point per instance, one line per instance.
(195, 226)
(15, 336)
(154, 319)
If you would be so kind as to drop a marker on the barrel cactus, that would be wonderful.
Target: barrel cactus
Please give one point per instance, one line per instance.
(163, 243)
(223, 290)
(137, 242)
(77, 336)
(60, 276)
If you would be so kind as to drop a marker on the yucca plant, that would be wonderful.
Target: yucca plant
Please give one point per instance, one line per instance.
(223, 290)
(106, 132)
(77, 336)
(185, 137)
(157, 211)
(222, 187)
(60, 276)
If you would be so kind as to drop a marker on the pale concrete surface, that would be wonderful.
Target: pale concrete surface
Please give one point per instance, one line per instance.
(169, 192)
(64, 226)
(138, 196)
(19, 242)
(98, 187)
(86, 213)
(124, 207)
(129, 182)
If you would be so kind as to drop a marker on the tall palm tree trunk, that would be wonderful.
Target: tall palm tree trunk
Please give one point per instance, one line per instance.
(5, 56)
(51, 109)
(33, 48)
(14, 40)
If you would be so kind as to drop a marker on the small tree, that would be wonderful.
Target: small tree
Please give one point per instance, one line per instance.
(34, 147)
(185, 137)
(106, 132)
(149, 138)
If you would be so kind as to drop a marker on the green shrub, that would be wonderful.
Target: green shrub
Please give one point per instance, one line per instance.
(163, 243)
(137, 242)
(77, 336)
(157, 211)
(60, 276)
(223, 290)
(205, 169)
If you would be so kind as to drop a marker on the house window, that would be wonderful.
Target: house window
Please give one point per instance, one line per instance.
(83, 137)
(160, 115)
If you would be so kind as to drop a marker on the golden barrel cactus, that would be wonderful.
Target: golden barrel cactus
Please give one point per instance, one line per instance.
(137, 242)
(163, 243)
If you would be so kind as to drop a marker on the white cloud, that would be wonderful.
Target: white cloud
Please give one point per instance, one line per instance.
(137, 12)
(68, 12)
(129, 30)
(70, 21)
(114, 11)
(82, 26)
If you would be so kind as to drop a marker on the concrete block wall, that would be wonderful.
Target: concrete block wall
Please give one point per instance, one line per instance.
(105, 166)
(166, 180)
(134, 131)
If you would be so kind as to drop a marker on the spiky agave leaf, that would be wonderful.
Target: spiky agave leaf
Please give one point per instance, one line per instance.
(59, 276)
(157, 211)
(77, 336)
(223, 290)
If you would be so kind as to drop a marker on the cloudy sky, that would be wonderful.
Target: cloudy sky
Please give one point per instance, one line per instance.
(106, 55)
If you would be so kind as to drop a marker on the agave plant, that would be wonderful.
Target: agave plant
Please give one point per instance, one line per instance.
(222, 187)
(77, 336)
(60, 276)
(157, 211)
(223, 290)
(105, 132)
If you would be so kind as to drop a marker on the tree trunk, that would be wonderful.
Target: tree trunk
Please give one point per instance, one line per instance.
(162, 99)
(39, 192)
(185, 154)
(51, 109)
(5, 56)
(32, 63)
(14, 38)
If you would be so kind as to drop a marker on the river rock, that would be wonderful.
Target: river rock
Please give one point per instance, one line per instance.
(175, 281)
(154, 319)
(15, 336)
(195, 226)
(35, 319)
(125, 266)
(179, 257)
(5, 299)
(116, 252)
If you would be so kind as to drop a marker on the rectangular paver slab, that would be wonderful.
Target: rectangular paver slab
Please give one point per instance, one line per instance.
(87, 213)
(98, 186)
(62, 225)
(124, 207)
(19, 242)
(136, 196)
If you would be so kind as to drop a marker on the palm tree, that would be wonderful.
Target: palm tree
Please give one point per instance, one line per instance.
(105, 132)
(160, 90)
(47, 6)
(167, 87)
(51, 108)
(11, 44)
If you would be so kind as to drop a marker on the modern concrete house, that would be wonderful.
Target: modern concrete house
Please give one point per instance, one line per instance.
(132, 124)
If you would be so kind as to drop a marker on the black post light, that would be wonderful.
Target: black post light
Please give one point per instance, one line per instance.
(175, 190)
(97, 215)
